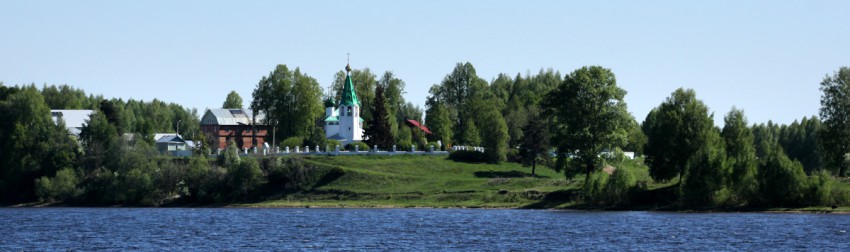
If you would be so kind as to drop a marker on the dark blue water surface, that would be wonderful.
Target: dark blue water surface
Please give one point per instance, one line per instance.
(412, 229)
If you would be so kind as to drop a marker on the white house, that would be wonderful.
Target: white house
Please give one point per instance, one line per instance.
(343, 122)
(74, 119)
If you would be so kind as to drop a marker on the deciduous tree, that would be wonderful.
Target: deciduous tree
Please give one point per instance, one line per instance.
(835, 113)
(675, 131)
(232, 101)
(589, 115)
(740, 155)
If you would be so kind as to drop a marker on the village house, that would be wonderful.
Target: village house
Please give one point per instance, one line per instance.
(238, 125)
(170, 142)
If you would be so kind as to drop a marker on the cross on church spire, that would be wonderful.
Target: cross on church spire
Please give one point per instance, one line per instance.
(347, 62)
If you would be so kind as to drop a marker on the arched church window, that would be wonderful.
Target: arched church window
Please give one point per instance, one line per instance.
(349, 112)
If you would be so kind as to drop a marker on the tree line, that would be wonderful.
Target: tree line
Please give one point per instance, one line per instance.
(526, 118)
(40, 157)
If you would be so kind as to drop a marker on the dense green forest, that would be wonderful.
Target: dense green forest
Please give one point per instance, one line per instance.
(565, 122)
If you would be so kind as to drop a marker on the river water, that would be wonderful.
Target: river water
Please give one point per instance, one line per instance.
(240, 229)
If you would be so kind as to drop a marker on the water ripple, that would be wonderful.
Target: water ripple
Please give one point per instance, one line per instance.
(412, 229)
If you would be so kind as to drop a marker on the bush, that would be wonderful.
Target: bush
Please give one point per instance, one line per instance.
(610, 190)
(467, 156)
(231, 155)
(363, 146)
(594, 187)
(294, 174)
(781, 181)
(244, 177)
(514, 156)
(63, 186)
(332, 144)
(619, 187)
(429, 144)
(292, 142)
(402, 146)
(820, 189)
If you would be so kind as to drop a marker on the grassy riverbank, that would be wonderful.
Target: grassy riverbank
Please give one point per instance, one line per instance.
(434, 181)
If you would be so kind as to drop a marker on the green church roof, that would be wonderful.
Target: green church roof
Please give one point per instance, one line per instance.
(349, 98)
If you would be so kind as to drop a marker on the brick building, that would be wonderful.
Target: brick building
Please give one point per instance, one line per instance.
(224, 125)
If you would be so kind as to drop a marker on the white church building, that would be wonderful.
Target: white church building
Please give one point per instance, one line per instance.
(342, 121)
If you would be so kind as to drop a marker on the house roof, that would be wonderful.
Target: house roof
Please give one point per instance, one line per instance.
(349, 98)
(229, 117)
(73, 118)
(157, 136)
(169, 138)
(414, 123)
(337, 137)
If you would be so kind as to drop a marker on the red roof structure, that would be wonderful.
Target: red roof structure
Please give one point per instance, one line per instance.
(414, 123)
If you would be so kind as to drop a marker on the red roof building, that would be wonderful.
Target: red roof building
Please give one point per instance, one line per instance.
(414, 123)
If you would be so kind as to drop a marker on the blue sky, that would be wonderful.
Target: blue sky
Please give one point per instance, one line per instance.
(766, 57)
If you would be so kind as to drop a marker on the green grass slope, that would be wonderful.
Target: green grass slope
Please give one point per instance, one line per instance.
(435, 181)
(424, 181)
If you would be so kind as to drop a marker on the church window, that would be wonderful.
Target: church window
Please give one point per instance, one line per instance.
(349, 112)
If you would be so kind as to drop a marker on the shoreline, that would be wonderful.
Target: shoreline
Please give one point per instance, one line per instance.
(804, 210)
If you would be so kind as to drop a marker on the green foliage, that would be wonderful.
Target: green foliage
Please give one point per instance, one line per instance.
(244, 177)
(61, 187)
(471, 136)
(379, 132)
(233, 100)
(636, 138)
(198, 170)
(67, 97)
(494, 135)
(706, 173)
(291, 101)
(765, 136)
(32, 146)
(589, 115)
(438, 121)
(404, 136)
(619, 187)
(294, 174)
(741, 158)
(820, 190)
(231, 155)
(455, 92)
(594, 188)
(333, 143)
(835, 112)
(394, 89)
(317, 137)
(403, 145)
(610, 190)
(781, 180)
(675, 131)
(291, 142)
(534, 147)
(801, 142)
(363, 146)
